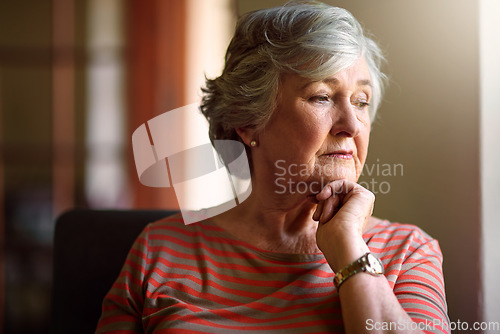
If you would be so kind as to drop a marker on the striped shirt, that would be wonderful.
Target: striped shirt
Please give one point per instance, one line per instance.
(200, 279)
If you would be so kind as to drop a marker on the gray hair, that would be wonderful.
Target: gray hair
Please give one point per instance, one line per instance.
(313, 40)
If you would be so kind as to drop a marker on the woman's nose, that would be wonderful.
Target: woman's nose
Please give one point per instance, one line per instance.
(345, 120)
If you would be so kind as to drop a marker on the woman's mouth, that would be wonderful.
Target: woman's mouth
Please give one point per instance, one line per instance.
(340, 155)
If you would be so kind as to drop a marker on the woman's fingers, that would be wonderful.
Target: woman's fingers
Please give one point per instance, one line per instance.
(330, 207)
(319, 210)
(327, 203)
(325, 193)
(337, 187)
(346, 196)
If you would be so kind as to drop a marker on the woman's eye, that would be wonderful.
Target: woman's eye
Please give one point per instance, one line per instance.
(320, 99)
(361, 105)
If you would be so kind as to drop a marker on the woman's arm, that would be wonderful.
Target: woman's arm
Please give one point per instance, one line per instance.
(122, 306)
(368, 302)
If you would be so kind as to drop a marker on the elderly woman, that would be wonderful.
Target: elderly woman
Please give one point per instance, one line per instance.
(300, 88)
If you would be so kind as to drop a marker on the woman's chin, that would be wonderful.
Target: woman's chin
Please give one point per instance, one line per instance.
(341, 174)
(313, 184)
(338, 171)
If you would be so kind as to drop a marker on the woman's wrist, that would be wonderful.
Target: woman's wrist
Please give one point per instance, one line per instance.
(343, 251)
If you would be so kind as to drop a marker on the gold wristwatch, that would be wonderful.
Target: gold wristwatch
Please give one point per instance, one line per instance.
(368, 263)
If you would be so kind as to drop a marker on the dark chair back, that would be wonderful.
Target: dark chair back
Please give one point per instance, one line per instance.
(90, 247)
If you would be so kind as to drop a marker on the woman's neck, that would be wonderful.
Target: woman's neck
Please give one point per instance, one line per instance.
(273, 223)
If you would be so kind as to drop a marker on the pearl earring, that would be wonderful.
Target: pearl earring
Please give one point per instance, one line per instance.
(253, 143)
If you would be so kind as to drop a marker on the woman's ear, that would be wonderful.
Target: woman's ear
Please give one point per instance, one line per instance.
(247, 135)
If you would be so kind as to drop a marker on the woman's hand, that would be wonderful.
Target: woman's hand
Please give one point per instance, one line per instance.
(343, 212)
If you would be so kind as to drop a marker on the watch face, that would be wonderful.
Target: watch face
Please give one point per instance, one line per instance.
(375, 264)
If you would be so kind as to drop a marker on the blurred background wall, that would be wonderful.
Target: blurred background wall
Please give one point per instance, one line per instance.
(77, 77)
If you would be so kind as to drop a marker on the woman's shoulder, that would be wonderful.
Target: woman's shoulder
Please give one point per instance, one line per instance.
(385, 234)
(172, 220)
(165, 223)
(175, 224)
(170, 237)
(401, 247)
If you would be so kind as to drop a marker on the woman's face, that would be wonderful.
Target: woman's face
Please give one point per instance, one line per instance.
(319, 131)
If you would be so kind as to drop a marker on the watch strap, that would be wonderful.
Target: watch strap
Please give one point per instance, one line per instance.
(360, 265)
